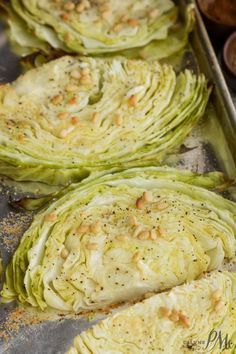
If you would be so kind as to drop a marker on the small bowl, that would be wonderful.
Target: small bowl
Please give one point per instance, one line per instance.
(229, 53)
(220, 16)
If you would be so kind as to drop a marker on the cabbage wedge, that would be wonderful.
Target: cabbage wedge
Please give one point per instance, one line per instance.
(28, 37)
(117, 237)
(73, 116)
(199, 317)
(95, 27)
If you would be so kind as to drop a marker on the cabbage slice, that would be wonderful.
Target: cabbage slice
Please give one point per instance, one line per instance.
(117, 237)
(26, 40)
(96, 28)
(197, 317)
(73, 116)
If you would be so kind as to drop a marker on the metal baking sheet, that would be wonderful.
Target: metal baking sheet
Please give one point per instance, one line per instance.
(211, 146)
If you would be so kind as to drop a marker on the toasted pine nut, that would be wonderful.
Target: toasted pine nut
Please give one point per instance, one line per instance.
(69, 6)
(153, 235)
(118, 27)
(96, 227)
(80, 8)
(133, 22)
(65, 132)
(63, 115)
(216, 295)
(85, 80)
(75, 74)
(174, 316)
(85, 71)
(136, 257)
(161, 231)
(147, 196)
(184, 319)
(106, 14)
(137, 231)
(95, 117)
(165, 312)
(140, 203)
(57, 99)
(118, 120)
(83, 228)
(219, 304)
(124, 18)
(87, 4)
(64, 253)
(92, 246)
(73, 100)
(133, 221)
(133, 101)
(50, 217)
(65, 16)
(74, 120)
(71, 88)
(144, 235)
(121, 238)
(153, 13)
(105, 7)
(21, 138)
